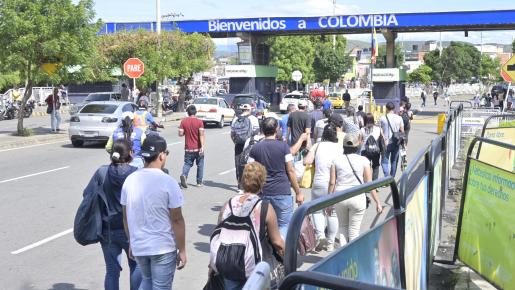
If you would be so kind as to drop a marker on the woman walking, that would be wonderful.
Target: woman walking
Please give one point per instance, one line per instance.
(349, 170)
(322, 154)
(371, 135)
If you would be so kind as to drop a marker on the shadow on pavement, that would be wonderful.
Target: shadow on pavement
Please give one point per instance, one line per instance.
(64, 286)
(216, 208)
(87, 145)
(199, 246)
(206, 229)
(210, 183)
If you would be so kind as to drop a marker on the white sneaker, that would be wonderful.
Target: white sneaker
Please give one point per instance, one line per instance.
(330, 247)
(321, 243)
(343, 240)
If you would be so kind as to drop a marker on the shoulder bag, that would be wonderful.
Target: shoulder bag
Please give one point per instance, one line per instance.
(396, 136)
(309, 172)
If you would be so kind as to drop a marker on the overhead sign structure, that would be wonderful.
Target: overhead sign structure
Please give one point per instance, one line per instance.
(400, 22)
(296, 76)
(508, 70)
(134, 68)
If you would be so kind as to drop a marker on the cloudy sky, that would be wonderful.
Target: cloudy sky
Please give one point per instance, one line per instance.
(144, 10)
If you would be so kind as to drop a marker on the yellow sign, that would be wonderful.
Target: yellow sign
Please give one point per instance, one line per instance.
(509, 68)
(497, 156)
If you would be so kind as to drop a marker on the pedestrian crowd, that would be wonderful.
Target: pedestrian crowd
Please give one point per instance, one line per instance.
(140, 204)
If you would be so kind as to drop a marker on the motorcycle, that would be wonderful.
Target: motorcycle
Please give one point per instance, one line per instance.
(11, 110)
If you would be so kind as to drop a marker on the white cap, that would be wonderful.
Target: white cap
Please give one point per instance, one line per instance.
(303, 103)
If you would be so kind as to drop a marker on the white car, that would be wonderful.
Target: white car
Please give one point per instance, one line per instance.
(96, 121)
(293, 98)
(213, 110)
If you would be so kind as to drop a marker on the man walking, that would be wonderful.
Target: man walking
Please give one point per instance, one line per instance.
(299, 122)
(192, 128)
(346, 99)
(276, 157)
(283, 123)
(152, 217)
(54, 104)
(316, 115)
(423, 96)
(391, 124)
(242, 128)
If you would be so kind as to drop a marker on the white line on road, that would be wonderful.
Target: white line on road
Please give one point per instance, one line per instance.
(31, 146)
(175, 143)
(226, 133)
(227, 171)
(42, 242)
(34, 174)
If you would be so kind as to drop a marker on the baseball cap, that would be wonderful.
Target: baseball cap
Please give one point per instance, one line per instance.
(303, 103)
(153, 145)
(351, 140)
(128, 114)
(245, 107)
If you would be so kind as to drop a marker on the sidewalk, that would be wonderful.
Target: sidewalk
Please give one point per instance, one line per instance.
(43, 135)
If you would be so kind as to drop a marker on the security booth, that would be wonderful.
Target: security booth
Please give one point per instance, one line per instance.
(389, 85)
(251, 79)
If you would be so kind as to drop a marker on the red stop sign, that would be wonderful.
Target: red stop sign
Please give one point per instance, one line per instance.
(134, 68)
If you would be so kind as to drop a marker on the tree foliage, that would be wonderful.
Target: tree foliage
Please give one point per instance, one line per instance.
(35, 32)
(290, 53)
(381, 56)
(421, 75)
(172, 54)
(460, 62)
(330, 62)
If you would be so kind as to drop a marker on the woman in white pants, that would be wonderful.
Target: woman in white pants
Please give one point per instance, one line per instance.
(322, 154)
(351, 170)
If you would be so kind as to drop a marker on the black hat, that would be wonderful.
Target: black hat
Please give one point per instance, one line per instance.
(336, 119)
(153, 145)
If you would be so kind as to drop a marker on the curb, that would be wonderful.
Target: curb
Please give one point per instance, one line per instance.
(42, 114)
(28, 141)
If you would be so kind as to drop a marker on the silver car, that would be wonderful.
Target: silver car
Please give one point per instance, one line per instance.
(94, 97)
(96, 121)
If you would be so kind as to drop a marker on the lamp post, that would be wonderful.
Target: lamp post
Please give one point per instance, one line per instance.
(334, 14)
(158, 31)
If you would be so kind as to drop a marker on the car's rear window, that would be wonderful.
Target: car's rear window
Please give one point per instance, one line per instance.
(333, 95)
(98, 109)
(205, 101)
(97, 97)
(243, 100)
(292, 96)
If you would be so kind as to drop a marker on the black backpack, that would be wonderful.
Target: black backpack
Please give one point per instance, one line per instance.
(406, 120)
(371, 148)
(244, 156)
(87, 226)
(241, 130)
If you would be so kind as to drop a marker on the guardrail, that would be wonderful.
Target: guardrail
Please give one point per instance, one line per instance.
(260, 278)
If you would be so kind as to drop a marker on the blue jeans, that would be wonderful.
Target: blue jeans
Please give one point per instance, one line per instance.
(55, 120)
(157, 271)
(390, 158)
(116, 241)
(283, 207)
(189, 158)
(233, 285)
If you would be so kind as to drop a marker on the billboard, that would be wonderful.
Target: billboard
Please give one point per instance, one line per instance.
(372, 258)
(487, 234)
(415, 243)
(500, 157)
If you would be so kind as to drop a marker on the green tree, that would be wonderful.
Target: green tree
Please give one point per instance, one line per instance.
(170, 55)
(330, 62)
(490, 67)
(381, 56)
(290, 53)
(421, 75)
(34, 32)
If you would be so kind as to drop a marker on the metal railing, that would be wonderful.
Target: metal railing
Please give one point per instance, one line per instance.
(260, 278)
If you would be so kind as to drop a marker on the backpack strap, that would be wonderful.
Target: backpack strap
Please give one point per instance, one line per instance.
(230, 205)
(262, 221)
(353, 171)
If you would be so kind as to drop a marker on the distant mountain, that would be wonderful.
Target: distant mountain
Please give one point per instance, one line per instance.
(224, 50)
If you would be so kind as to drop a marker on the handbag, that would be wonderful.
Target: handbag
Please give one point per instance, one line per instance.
(270, 255)
(307, 240)
(309, 173)
(214, 282)
(357, 177)
(396, 136)
(49, 110)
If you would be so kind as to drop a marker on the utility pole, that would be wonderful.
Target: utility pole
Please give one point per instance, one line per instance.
(334, 14)
(158, 31)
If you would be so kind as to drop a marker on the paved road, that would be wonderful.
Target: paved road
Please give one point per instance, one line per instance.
(41, 187)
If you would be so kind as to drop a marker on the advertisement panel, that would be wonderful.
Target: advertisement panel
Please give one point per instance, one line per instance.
(436, 206)
(487, 234)
(500, 157)
(372, 258)
(415, 244)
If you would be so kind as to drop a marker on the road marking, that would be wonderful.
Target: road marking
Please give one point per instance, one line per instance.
(42, 242)
(226, 133)
(175, 143)
(227, 171)
(31, 146)
(34, 174)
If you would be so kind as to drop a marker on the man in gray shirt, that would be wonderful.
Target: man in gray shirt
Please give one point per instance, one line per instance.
(390, 123)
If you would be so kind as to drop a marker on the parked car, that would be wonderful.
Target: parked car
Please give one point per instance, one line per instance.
(96, 121)
(95, 97)
(293, 98)
(251, 99)
(213, 110)
(336, 99)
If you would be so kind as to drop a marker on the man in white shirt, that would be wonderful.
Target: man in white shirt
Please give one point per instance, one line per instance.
(240, 125)
(390, 123)
(153, 220)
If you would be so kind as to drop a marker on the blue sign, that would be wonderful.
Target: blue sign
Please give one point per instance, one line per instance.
(352, 23)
